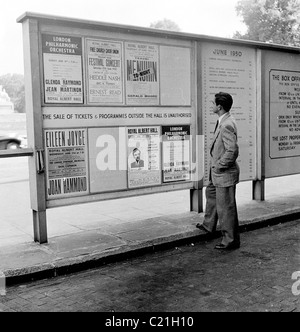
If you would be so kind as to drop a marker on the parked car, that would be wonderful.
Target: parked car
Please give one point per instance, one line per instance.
(10, 143)
(24, 141)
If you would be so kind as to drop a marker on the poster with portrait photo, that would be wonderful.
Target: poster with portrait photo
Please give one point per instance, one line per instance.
(144, 161)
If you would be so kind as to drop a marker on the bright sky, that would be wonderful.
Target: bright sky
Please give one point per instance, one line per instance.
(207, 17)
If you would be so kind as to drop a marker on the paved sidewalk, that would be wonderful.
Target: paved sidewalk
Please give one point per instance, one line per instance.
(262, 276)
(89, 235)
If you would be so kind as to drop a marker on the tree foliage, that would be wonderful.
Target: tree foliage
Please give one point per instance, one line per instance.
(272, 21)
(15, 88)
(165, 24)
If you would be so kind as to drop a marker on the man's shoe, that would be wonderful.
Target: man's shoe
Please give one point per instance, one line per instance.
(202, 228)
(231, 246)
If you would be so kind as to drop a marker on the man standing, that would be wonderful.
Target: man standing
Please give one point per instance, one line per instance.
(223, 177)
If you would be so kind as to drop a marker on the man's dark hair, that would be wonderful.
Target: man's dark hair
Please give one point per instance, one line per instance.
(225, 100)
(135, 150)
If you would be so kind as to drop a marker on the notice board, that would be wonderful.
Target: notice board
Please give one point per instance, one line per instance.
(116, 111)
(282, 113)
(231, 69)
(106, 100)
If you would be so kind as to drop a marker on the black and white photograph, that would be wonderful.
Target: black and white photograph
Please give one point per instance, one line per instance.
(150, 159)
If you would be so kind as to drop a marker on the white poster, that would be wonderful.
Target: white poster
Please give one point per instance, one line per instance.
(107, 159)
(231, 69)
(64, 117)
(142, 74)
(176, 153)
(104, 70)
(63, 76)
(144, 161)
(66, 163)
(175, 76)
(284, 114)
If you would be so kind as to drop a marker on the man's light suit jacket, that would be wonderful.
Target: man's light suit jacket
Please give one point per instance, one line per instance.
(224, 152)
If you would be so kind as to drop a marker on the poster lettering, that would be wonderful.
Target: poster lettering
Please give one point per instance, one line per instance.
(231, 69)
(144, 162)
(284, 114)
(66, 160)
(63, 75)
(105, 81)
(176, 153)
(142, 81)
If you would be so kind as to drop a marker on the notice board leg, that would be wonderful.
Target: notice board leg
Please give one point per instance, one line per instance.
(258, 190)
(40, 226)
(196, 200)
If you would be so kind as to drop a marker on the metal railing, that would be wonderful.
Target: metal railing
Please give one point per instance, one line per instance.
(16, 153)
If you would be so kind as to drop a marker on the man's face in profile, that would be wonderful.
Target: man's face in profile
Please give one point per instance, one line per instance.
(137, 155)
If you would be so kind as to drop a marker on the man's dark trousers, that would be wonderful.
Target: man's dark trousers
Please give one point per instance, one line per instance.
(221, 205)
